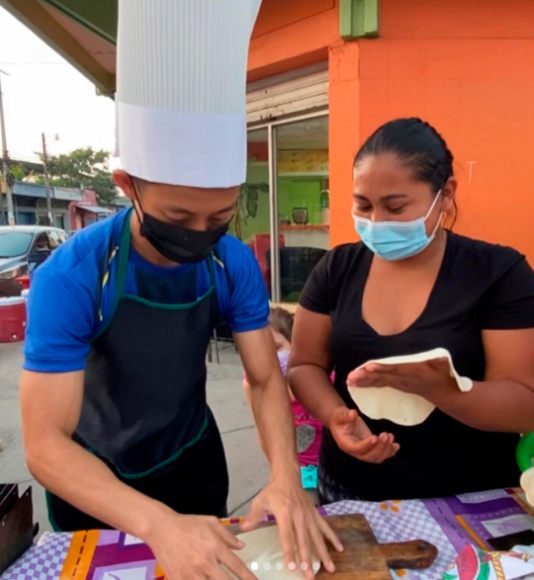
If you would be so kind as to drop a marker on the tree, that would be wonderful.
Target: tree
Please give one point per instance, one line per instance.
(18, 172)
(82, 169)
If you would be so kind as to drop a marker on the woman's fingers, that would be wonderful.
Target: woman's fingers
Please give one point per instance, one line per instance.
(384, 449)
(355, 376)
(357, 448)
(378, 379)
(376, 452)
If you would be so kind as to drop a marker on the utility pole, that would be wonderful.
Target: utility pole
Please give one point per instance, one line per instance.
(47, 183)
(8, 177)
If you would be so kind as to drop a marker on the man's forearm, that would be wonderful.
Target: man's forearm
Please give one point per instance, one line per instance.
(505, 406)
(272, 413)
(83, 480)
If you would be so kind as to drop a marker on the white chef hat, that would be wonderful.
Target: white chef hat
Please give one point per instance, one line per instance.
(181, 90)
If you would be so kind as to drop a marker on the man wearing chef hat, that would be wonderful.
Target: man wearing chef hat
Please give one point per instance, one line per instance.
(116, 423)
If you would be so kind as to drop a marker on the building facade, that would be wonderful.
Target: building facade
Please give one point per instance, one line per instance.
(323, 75)
(348, 67)
(72, 209)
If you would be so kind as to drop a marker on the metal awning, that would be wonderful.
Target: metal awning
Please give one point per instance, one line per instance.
(84, 32)
(94, 209)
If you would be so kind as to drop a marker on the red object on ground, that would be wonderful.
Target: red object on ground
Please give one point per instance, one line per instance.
(25, 281)
(12, 319)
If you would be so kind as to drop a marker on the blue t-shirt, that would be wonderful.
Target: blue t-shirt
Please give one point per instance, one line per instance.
(72, 293)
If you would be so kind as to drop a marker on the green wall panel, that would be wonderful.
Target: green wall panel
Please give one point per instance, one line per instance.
(358, 18)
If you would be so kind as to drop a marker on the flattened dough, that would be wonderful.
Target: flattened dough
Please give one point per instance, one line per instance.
(527, 484)
(402, 408)
(263, 546)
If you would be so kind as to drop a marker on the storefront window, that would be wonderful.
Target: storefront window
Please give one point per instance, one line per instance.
(303, 201)
(251, 223)
(296, 152)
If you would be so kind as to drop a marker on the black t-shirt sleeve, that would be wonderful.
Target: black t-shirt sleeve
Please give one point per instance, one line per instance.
(509, 303)
(316, 293)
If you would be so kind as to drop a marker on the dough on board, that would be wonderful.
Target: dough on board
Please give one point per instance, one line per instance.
(263, 547)
(402, 408)
(527, 484)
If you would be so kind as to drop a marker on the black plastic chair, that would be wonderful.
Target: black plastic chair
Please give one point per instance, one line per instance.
(296, 265)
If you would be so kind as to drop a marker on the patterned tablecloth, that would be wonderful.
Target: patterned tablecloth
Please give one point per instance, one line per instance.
(449, 524)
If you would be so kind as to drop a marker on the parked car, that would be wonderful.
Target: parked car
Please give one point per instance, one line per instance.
(22, 249)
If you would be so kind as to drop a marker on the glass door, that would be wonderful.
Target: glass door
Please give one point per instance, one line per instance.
(251, 223)
(303, 202)
(282, 213)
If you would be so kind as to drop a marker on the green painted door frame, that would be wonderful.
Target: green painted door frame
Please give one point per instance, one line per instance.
(358, 18)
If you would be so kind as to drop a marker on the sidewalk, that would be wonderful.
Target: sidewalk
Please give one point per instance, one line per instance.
(246, 463)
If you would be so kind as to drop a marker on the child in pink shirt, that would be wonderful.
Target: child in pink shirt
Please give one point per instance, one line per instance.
(308, 429)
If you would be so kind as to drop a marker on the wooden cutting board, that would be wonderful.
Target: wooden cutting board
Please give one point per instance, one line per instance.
(365, 559)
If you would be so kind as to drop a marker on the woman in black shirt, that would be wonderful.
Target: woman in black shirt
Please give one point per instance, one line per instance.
(407, 289)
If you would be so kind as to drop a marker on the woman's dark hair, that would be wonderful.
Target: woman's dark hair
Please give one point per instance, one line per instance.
(282, 322)
(415, 143)
(418, 146)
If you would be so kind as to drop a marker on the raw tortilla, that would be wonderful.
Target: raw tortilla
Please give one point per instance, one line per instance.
(263, 547)
(402, 408)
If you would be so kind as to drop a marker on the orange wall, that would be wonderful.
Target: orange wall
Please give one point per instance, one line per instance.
(290, 34)
(344, 136)
(466, 67)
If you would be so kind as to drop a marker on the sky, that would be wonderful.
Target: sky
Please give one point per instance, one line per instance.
(44, 93)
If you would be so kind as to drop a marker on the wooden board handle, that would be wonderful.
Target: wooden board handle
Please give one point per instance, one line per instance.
(416, 555)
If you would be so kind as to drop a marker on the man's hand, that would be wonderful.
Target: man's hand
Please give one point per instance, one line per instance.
(354, 437)
(196, 548)
(302, 529)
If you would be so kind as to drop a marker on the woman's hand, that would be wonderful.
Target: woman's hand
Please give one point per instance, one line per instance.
(354, 437)
(196, 548)
(424, 378)
(302, 530)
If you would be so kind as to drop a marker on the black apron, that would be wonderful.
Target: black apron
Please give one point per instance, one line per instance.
(144, 410)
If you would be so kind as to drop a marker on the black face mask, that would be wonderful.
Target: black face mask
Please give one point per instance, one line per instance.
(179, 244)
(176, 243)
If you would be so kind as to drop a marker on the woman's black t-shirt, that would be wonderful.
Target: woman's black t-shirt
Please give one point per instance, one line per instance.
(479, 286)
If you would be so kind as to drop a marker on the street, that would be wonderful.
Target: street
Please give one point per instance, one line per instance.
(246, 463)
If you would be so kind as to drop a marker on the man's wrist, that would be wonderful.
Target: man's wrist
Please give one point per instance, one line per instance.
(285, 466)
(149, 522)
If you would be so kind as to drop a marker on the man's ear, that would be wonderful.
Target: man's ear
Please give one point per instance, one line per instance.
(124, 181)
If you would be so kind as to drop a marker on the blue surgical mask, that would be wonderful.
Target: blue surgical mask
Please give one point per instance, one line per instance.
(394, 241)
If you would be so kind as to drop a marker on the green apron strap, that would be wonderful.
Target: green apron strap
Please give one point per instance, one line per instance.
(124, 253)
